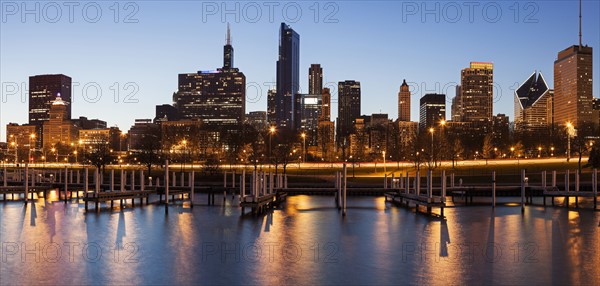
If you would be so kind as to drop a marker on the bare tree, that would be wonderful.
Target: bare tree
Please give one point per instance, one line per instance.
(149, 149)
(487, 148)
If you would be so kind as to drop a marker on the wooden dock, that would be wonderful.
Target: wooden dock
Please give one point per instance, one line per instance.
(22, 190)
(111, 197)
(403, 198)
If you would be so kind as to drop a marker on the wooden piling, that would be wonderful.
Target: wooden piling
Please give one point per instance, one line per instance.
(4, 175)
(26, 182)
(192, 186)
(243, 186)
(493, 189)
(344, 183)
(385, 182)
(166, 185)
(576, 189)
(417, 183)
(66, 185)
(595, 187)
(523, 191)
(567, 183)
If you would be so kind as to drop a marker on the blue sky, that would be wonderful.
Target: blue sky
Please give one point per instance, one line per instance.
(141, 50)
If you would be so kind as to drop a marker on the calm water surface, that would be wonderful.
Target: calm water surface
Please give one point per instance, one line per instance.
(306, 242)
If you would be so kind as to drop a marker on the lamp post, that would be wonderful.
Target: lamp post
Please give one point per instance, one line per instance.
(431, 130)
(271, 131)
(570, 131)
(16, 154)
(384, 168)
(55, 154)
(552, 151)
(303, 147)
(539, 152)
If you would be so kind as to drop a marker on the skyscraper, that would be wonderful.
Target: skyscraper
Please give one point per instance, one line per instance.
(288, 76)
(573, 87)
(533, 105)
(311, 113)
(43, 90)
(315, 79)
(432, 110)
(218, 97)
(348, 108)
(326, 105)
(477, 93)
(456, 108)
(326, 128)
(59, 129)
(404, 102)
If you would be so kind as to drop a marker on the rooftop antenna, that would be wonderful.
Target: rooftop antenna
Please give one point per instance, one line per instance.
(580, 42)
(228, 40)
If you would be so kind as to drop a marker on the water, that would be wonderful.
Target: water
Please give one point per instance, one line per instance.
(307, 242)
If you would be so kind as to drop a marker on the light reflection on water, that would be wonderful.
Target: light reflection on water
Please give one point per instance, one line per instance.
(306, 242)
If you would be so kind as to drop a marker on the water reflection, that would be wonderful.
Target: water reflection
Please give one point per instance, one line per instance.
(305, 242)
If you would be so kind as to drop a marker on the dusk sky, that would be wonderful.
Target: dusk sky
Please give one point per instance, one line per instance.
(376, 43)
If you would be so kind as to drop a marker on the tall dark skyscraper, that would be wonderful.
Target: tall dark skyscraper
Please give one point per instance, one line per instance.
(348, 108)
(218, 97)
(288, 76)
(315, 79)
(43, 90)
(432, 110)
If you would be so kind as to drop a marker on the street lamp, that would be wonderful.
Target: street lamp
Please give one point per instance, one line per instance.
(539, 152)
(271, 131)
(552, 151)
(384, 169)
(303, 147)
(55, 154)
(570, 132)
(431, 131)
(16, 154)
(512, 151)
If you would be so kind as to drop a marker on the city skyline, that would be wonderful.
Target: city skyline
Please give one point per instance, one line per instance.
(378, 95)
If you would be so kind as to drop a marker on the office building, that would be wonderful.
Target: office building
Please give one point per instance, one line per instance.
(404, 102)
(217, 98)
(315, 79)
(432, 110)
(288, 76)
(348, 108)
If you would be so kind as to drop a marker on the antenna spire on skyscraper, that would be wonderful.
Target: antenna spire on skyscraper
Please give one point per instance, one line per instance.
(580, 41)
(228, 40)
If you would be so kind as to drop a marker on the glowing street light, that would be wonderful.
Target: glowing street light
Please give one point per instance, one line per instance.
(570, 132)
(303, 147)
(384, 169)
(271, 131)
(431, 130)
